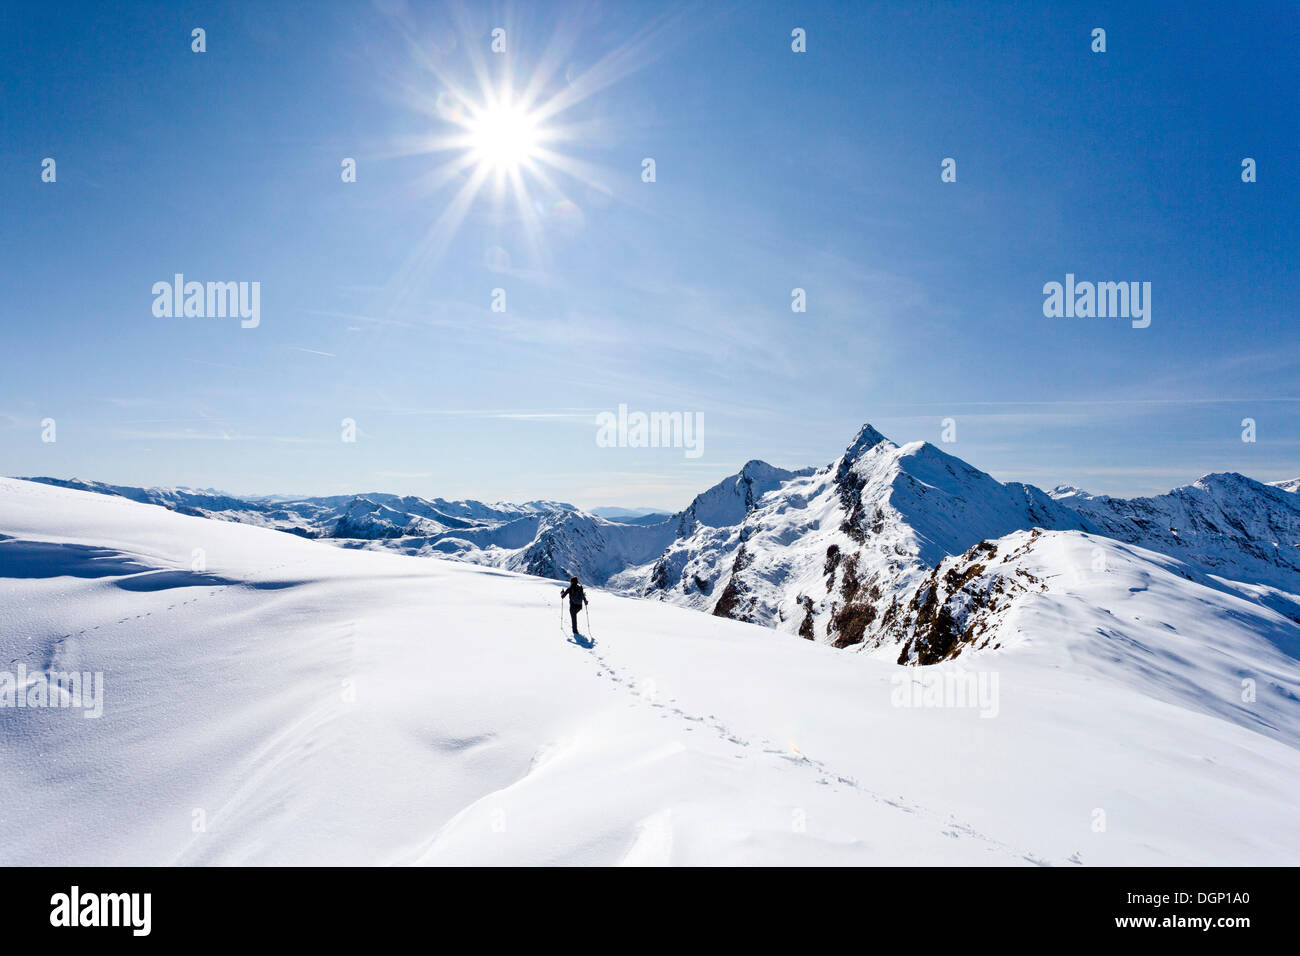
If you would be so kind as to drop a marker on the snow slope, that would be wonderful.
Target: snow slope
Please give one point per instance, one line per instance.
(320, 705)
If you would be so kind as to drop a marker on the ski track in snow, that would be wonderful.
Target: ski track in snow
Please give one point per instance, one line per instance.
(51, 652)
(826, 776)
(653, 841)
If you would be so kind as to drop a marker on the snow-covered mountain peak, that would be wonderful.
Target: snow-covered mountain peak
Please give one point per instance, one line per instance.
(866, 439)
(1223, 480)
(938, 504)
(931, 464)
(727, 502)
(1067, 492)
(538, 505)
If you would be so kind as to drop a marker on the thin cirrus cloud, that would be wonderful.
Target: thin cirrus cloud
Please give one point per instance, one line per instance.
(194, 435)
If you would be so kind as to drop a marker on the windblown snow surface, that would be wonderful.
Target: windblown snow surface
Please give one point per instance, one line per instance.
(289, 702)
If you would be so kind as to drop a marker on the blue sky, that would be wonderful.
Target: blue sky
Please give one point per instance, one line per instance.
(774, 170)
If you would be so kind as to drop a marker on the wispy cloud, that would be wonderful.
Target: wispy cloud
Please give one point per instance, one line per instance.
(191, 435)
(359, 317)
(507, 414)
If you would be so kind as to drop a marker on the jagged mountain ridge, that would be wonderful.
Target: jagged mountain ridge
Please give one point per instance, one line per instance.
(1225, 522)
(828, 553)
(364, 516)
(844, 554)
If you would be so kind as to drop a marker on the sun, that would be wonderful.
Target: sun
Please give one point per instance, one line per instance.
(504, 137)
(518, 133)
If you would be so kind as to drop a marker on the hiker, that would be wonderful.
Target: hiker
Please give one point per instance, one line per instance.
(577, 598)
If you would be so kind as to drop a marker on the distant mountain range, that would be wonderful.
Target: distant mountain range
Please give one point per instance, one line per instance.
(887, 545)
(629, 515)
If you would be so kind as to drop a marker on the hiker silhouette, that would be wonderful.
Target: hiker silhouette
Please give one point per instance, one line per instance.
(577, 600)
